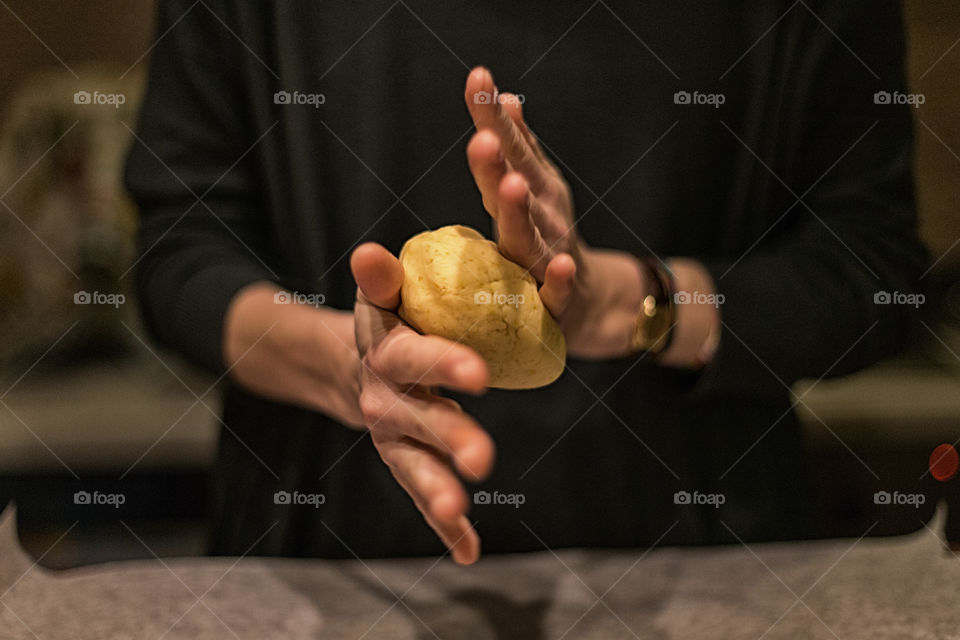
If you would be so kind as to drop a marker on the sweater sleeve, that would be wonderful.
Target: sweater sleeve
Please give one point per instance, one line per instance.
(802, 303)
(190, 172)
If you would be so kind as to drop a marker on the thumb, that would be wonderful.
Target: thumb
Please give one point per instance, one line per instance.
(378, 274)
(558, 284)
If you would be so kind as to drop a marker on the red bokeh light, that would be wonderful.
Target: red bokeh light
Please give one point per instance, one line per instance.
(944, 462)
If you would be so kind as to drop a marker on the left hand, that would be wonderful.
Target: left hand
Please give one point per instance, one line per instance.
(595, 295)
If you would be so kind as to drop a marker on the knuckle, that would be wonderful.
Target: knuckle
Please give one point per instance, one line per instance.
(554, 189)
(379, 359)
(390, 353)
(372, 359)
(389, 458)
(489, 203)
(372, 409)
(451, 403)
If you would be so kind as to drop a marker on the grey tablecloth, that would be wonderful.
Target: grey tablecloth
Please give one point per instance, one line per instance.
(907, 587)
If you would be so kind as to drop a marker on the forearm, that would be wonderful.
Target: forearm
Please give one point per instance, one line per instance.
(293, 353)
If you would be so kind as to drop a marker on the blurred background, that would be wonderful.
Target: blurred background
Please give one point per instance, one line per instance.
(88, 403)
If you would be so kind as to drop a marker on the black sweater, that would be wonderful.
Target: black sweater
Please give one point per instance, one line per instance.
(795, 192)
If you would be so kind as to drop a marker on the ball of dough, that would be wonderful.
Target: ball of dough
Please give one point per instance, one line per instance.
(457, 285)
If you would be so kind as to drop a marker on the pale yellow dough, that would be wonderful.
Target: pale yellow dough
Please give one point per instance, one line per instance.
(457, 285)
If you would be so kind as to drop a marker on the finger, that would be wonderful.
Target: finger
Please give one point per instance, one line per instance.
(488, 113)
(459, 536)
(465, 545)
(429, 420)
(558, 283)
(487, 166)
(518, 236)
(378, 274)
(426, 477)
(407, 357)
(514, 109)
(437, 494)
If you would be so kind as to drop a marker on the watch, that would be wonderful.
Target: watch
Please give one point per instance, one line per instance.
(653, 331)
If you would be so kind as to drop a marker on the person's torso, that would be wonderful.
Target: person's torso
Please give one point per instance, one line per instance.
(643, 107)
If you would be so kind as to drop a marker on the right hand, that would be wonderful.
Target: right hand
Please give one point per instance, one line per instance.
(425, 439)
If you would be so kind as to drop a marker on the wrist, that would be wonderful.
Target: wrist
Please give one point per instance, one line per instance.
(603, 318)
(696, 328)
(292, 352)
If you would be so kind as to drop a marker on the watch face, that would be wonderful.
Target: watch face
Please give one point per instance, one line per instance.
(656, 330)
(653, 326)
(655, 320)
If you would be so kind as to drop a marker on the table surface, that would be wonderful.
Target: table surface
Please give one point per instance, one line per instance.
(904, 587)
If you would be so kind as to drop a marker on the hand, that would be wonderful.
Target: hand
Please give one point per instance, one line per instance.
(425, 439)
(595, 295)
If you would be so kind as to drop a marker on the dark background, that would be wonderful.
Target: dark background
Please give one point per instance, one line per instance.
(106, 410)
